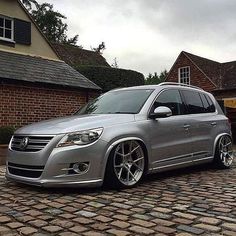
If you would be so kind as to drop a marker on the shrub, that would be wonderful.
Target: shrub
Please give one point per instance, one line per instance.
(6, 133)
(109, 78)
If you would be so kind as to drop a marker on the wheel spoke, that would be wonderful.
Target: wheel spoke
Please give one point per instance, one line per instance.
(221, 142)
(139, 159)
(127, 180)
(226, 145)
(120, 172)
(123, 148)
(120, 154)
(132, 175)
(221, 155)
(119, 166)
(138, 167)
(136, 148)
(130, 146)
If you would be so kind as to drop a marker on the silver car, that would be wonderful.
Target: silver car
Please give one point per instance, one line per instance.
(121, 136)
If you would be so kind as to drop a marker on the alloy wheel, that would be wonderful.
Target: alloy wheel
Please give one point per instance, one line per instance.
(129, 162)
(226, 150)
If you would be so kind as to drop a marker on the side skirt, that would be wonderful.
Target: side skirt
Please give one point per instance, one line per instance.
(181, 164)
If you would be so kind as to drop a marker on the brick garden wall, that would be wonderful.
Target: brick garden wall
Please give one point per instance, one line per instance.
(24, 104)
(197, 78)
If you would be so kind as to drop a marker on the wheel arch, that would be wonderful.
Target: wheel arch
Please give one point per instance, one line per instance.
(217, 139)
(123, 139)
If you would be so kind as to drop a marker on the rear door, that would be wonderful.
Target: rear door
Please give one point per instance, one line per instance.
(201, 123)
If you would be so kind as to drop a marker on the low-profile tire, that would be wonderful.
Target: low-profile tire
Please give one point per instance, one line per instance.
(224, 155)
(126, 165)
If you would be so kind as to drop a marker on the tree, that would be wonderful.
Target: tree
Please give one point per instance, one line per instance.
(50, 22)
(28, 3)
(101, 47)
(155, 78)
(115, 63)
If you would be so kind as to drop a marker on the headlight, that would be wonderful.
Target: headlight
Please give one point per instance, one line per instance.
(80, 137)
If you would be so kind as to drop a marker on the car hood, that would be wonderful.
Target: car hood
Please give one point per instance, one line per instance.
(74, 123)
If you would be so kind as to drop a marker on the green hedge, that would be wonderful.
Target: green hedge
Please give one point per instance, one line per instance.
(109, 78)
(5, 134)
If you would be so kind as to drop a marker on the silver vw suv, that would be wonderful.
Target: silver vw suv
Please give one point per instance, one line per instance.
(121, 136)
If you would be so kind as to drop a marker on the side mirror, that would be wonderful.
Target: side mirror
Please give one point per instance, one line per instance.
(161, 112)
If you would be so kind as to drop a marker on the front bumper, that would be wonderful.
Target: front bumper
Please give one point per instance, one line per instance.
(55, 164)
(55, 184)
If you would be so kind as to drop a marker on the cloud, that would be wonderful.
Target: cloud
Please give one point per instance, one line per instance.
(148, 35)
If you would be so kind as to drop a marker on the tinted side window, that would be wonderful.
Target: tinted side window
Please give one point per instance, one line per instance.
(194, 102)
(172, 99)
(205, 103)
(211, 104)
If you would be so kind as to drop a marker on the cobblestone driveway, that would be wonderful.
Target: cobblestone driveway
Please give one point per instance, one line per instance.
(200, 201)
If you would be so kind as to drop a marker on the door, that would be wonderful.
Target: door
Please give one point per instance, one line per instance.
(202, 123)
(169, 136)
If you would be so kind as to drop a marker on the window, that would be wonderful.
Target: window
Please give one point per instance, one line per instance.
(117, 102)
(184, 75)
(6, 28)
(211, 107)
(205, 103)
(194, 102)
(170, 98)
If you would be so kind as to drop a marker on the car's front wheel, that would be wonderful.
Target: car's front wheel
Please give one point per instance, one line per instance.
(126, 165)
(224, 152)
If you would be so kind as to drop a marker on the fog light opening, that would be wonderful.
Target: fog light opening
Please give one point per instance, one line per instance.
(81, 167)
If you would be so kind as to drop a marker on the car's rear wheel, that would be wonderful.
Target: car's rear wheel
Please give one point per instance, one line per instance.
(224, 152)
(126, 165)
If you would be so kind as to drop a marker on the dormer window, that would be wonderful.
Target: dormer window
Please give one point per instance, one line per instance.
(184, 75)
(6, 28)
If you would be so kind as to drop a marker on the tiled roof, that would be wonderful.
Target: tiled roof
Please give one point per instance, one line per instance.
(229, 75)
(74, 55)
(223, 75)
(36, 69)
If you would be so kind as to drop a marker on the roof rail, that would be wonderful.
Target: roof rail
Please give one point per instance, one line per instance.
(179, 84)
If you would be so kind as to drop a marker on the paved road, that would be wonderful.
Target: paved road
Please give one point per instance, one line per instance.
(196, 201)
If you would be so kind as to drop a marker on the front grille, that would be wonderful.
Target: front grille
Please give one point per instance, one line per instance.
(34, 143)
(25, 170)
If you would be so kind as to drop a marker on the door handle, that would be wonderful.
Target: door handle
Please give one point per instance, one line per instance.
(186, 126)
(213, 123)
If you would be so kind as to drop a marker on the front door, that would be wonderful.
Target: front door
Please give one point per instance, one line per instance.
(169, 137)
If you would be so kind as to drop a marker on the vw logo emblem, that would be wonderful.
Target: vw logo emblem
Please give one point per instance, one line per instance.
(24, 142)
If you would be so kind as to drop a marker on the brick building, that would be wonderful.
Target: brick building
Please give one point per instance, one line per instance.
(212, 76)
(35, 84)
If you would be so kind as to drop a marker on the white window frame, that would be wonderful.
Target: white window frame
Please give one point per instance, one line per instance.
(184, 78)
(12, 29)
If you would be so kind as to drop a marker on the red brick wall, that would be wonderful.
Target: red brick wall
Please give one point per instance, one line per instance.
(21, 105)
(197, 78)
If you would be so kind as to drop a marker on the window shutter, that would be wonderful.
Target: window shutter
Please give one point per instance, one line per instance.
(22, 32)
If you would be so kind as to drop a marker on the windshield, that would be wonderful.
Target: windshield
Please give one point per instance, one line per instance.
(114, 102)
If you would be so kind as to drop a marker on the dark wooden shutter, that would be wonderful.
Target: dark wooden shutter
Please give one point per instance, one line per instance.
(22, 32)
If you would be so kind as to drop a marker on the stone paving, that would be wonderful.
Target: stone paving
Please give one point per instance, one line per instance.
(194, 201)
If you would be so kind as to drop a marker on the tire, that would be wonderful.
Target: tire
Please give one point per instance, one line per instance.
(224, 156)
(126, 165)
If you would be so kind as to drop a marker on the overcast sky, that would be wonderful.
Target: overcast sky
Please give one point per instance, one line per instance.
(148, 35)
